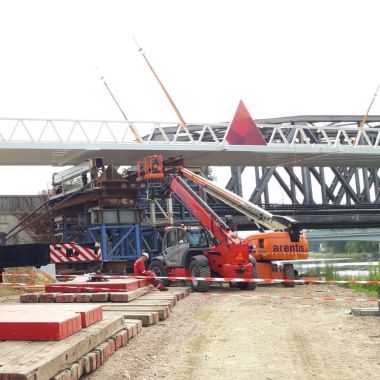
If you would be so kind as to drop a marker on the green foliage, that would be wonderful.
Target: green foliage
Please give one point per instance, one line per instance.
(362, 247)
(374, 275)
(331, 273)
(334, 246)
(328, 272)
(352, 247)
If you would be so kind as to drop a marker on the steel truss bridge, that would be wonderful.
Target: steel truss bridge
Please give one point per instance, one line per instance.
(325, 167)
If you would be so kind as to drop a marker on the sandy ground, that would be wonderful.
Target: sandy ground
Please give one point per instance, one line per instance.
(232, 336)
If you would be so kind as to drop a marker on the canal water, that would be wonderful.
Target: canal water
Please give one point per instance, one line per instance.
(342, 266)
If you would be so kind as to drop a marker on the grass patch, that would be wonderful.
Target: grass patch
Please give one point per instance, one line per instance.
(329, 273)
(374, 275)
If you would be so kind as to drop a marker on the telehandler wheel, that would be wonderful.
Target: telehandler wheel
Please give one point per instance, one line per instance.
(289, 274)
(249, 285)
(158, 268)
(197, 270)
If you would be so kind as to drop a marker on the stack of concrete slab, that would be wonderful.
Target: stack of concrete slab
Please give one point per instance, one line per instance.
(94, 296)
(94, 341)
(38, 322)
(111, 285)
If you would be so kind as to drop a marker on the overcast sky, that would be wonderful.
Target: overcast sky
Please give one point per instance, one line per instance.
(281, 57)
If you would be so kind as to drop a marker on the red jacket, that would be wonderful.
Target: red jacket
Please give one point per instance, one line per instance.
(139, 267)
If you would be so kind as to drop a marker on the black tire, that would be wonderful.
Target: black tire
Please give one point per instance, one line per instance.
(196, 270)
(249, 285)
(289, 274)
(158, 268)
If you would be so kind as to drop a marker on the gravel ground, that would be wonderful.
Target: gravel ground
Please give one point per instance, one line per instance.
(234, 336)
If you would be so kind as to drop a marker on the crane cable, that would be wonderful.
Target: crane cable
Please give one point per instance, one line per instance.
(365, 117)
(131, 125)
(171, 101)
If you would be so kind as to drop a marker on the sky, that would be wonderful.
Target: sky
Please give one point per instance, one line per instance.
(281, 57)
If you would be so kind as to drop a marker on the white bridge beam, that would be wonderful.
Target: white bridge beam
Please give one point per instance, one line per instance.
(69, 142)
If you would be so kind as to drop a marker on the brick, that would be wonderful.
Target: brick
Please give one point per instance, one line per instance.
(83, 298)
(99, 361)
(93, 361)
(64, 298)
(124, 337)
(80, 363)
(119, 339)
(111, 348)
(132, 331)
(99, 297)
(74, 368)
(47, 297)
(101, 286)
(86, 364)
(119, 297)
(29, 298)
(102, 348)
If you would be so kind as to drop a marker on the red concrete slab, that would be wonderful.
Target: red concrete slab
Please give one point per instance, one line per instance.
(89, 314)
(112, 285)
(34, 325)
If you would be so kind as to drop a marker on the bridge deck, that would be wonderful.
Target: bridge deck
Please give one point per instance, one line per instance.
(194, 154)
(297, 141)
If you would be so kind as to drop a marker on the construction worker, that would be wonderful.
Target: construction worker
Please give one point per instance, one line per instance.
(139, 270)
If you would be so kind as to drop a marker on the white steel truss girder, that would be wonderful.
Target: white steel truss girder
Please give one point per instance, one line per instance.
(68, 142)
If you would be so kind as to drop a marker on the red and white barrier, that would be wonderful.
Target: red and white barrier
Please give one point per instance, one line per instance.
(227, 279)
(303, 298)
(267, 280)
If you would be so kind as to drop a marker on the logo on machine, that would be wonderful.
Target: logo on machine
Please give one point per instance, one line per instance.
(288, 248)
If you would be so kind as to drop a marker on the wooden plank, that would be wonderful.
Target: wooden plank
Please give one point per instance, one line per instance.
(162, 301)
(129, 296)
(159, 295)
(162, 311)
(185, 290)
(152, 303)
(173, 299)
(43, 360)
(127, 306)
(146, 317)
(9, 346)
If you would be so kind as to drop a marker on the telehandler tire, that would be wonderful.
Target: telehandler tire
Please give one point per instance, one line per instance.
(197, 270)
(289, 274)
(249, 285)
(158, 268)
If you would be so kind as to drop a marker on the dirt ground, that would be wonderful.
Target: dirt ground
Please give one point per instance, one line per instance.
(234, 336)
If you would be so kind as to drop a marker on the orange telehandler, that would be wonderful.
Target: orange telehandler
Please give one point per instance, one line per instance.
(224, 254)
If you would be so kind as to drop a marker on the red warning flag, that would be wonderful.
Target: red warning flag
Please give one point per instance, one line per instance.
(243, 130)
